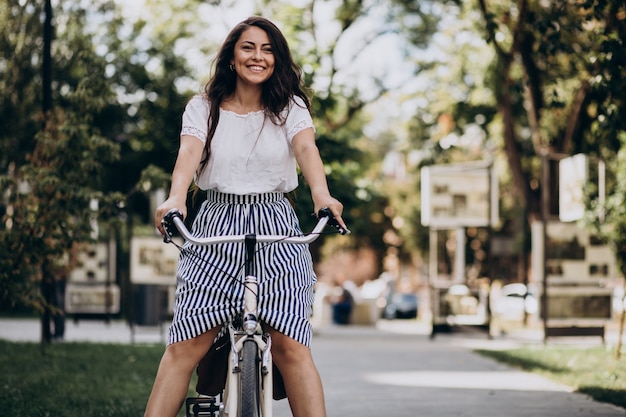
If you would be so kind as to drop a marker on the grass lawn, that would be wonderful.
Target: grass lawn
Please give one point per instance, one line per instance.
(593, 371)
(76, 379)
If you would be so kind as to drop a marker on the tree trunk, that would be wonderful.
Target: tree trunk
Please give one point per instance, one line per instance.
(620, 333)
(47, 292)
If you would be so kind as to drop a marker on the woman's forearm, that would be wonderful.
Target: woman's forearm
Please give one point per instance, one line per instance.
(313, 171)
(189, 155)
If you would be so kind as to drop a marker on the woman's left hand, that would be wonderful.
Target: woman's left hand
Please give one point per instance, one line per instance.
(335, 207)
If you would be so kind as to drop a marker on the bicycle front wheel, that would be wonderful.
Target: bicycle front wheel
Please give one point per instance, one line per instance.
(250, 380)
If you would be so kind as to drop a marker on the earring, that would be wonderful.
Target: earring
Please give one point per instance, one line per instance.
(232, 67)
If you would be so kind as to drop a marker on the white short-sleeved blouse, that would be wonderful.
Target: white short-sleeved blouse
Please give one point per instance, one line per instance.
(249, 153)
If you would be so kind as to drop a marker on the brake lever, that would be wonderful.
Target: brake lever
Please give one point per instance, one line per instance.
(168, 224)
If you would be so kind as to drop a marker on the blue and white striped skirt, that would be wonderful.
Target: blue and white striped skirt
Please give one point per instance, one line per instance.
(210, 278)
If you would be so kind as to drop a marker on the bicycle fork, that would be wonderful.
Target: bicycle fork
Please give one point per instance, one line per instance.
(251, 325)
(251, 331)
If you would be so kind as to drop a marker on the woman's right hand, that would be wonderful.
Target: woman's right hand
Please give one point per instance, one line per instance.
(169, 204)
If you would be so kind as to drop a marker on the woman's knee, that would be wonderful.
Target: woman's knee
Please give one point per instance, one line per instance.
(287, 350)
(189, 352)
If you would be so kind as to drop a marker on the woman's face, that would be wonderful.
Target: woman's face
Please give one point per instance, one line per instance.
(253, 58)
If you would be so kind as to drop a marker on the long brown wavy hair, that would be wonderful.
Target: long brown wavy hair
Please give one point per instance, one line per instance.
(285, 82)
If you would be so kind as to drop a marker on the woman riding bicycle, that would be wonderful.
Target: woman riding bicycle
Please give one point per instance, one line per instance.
(240, 141)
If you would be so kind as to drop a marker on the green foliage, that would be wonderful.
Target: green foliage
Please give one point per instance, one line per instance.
(56, 171)
(48, 204)
(554, 63)
(153, 178)
(452, 111)
(20, 99)
(553, 82)
(419, 20)
(116, 111)
(609, 217)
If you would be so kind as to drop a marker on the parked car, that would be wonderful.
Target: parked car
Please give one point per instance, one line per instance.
(401, 306)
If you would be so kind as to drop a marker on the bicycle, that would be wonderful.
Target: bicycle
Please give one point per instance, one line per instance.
(248, 389)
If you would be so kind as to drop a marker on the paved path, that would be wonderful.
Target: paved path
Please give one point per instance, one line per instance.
(395, 370)
(386, 373)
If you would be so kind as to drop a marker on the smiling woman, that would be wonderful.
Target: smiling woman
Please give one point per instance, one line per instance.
(241, 141)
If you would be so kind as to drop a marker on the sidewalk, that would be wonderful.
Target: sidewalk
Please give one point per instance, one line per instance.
(99, 331)
(396, 370)
(119, 331)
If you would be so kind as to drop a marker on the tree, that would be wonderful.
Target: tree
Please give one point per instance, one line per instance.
(551, 88)
(552, 82)
(50, 199)
(544, 79)
(451, 107)
(136, 105)
(610, 222)
(51, 182)
(20, 95)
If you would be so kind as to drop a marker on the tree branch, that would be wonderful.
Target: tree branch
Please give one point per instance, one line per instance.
(573, 121)
(490, 27)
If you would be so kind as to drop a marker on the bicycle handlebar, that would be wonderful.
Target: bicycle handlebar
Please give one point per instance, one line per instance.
(174, 218)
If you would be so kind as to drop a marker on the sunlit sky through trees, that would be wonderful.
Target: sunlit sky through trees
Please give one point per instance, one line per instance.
(384, 59)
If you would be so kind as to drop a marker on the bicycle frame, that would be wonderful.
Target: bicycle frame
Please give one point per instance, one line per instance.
(252, 330)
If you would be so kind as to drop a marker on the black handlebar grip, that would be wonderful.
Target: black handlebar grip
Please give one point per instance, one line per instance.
(325, 212)
(168, 224)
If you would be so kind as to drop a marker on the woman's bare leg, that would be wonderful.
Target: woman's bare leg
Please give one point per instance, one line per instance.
(302, 380)
(172, 380)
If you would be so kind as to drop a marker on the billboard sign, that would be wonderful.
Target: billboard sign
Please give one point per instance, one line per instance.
(573, 174)
(459, 195)
(152, 261)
